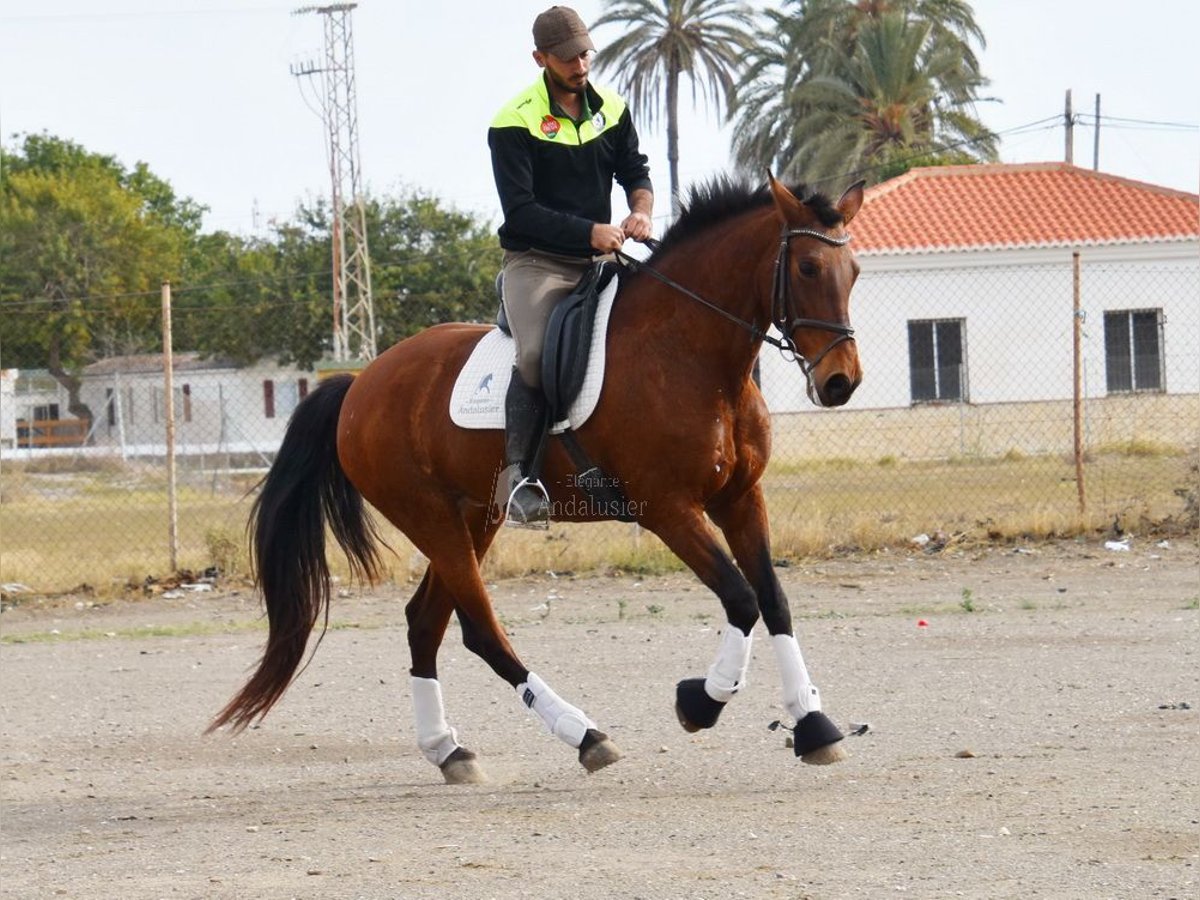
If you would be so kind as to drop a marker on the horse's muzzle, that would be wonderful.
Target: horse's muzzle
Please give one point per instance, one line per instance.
(837, 389)
(835, 381)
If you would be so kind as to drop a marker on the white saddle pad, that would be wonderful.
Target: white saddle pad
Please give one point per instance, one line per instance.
(477, 400)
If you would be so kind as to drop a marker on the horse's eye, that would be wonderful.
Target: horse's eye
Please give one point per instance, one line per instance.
(808, 268)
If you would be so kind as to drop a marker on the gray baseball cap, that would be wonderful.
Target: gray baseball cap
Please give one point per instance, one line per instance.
(560, 31)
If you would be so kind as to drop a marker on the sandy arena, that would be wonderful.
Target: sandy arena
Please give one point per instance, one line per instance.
(1037, 737)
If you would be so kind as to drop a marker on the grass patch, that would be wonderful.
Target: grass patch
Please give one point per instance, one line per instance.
(1139, 448)
(967, 604)
(108, 529)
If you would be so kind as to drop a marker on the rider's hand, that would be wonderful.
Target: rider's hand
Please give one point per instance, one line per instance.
(637, 225)
(607, 238)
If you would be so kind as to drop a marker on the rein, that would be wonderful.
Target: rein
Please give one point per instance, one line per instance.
(779, 301)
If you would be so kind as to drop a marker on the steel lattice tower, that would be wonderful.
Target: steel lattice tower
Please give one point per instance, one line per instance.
(353, 308)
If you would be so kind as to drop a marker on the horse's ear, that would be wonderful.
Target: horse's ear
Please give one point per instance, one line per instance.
(851, 201)
(789, 207)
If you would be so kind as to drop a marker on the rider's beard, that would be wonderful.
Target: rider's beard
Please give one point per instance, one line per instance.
(570, 86)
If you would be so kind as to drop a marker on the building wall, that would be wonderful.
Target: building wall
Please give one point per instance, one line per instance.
(222, 410)
(8, 407)
(1017, 308)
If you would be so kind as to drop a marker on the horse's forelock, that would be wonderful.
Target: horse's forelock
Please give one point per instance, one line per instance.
(823, 208)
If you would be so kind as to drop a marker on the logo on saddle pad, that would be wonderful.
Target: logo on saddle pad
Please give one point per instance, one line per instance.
(550, 127)
(485, 383)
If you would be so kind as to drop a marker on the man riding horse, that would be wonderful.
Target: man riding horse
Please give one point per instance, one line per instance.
(556, 149)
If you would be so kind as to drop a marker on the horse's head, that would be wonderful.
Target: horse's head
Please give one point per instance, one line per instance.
(814, 272)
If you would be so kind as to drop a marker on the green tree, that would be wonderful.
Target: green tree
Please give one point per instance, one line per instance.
(663, 40)
(844, 88)
(84, 245)
(430, 264)
(271, 297)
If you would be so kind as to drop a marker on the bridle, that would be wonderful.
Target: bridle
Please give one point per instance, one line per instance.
(781, 306)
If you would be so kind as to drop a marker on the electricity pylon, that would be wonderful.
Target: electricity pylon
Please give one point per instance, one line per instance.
(353, 308)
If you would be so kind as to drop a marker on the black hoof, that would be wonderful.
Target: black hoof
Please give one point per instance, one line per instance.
(694, 707)
(814, 731)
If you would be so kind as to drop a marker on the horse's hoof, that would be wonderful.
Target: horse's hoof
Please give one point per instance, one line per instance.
(461, 767)
(817, 740)
(825, 756)
(683, 720)
(598, 752)
(694, 707)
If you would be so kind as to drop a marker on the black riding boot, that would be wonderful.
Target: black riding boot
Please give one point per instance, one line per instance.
(519, 492)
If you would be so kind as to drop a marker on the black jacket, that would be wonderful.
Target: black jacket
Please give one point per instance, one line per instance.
(554, 178)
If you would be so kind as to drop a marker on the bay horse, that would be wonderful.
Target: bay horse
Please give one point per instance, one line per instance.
(680, 423)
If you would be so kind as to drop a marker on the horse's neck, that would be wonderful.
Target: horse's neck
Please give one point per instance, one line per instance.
(729, 278)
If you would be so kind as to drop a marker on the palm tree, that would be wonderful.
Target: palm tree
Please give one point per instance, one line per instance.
(863, 86)
(664, 39)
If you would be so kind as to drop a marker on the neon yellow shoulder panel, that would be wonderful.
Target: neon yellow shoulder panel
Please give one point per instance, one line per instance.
(530, 110)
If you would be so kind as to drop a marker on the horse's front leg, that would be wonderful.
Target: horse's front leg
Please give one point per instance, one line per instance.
(700, 701)
(744, 522)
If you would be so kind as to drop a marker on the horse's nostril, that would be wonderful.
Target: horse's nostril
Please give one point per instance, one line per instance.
(838, 389)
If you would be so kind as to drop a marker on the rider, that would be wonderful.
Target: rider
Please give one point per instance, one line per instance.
(556, 149)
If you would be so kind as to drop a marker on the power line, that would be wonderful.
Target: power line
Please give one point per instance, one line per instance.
(1183, 125)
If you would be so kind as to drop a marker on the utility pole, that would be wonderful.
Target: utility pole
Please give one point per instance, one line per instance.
(1069, 119)
(353, 307)
(1096, 139)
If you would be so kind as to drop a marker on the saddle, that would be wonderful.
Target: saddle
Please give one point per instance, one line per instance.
(565, 353)
(568, 340)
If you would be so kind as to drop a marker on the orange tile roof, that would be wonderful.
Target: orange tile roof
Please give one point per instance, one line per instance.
(941, 208)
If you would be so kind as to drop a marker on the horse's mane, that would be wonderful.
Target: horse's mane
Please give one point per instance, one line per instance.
(723, 197)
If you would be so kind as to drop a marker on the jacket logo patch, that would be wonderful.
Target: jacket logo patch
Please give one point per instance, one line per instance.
(550, 127)
(598, 121)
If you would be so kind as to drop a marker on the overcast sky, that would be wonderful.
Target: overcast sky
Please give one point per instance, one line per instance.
(201, 91)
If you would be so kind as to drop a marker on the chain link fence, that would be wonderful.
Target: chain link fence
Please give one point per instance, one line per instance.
(965, 428)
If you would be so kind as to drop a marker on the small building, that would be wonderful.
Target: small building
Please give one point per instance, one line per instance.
(219, 406)
(968, 283)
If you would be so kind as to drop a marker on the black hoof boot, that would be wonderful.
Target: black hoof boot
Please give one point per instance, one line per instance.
(694, 707)
(814, 731)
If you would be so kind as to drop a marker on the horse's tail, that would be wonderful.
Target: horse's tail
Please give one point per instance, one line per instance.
(305, 491)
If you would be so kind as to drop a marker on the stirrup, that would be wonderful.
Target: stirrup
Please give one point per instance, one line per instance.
(516, 516)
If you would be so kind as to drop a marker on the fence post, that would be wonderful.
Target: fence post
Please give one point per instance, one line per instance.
(1077, 341)
(169, 410)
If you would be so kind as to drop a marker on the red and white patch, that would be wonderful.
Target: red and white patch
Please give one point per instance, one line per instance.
(550, 126)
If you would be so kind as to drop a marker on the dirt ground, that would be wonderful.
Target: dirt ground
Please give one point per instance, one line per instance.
(1037, 737)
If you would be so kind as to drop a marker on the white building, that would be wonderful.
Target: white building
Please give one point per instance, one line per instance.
(219, 407)
(966, 295)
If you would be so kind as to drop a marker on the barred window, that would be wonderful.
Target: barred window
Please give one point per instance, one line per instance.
(1133, 350)
(936, 360)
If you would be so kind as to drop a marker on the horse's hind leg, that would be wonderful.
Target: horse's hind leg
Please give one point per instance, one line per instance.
(428, 613)
(454, 553)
